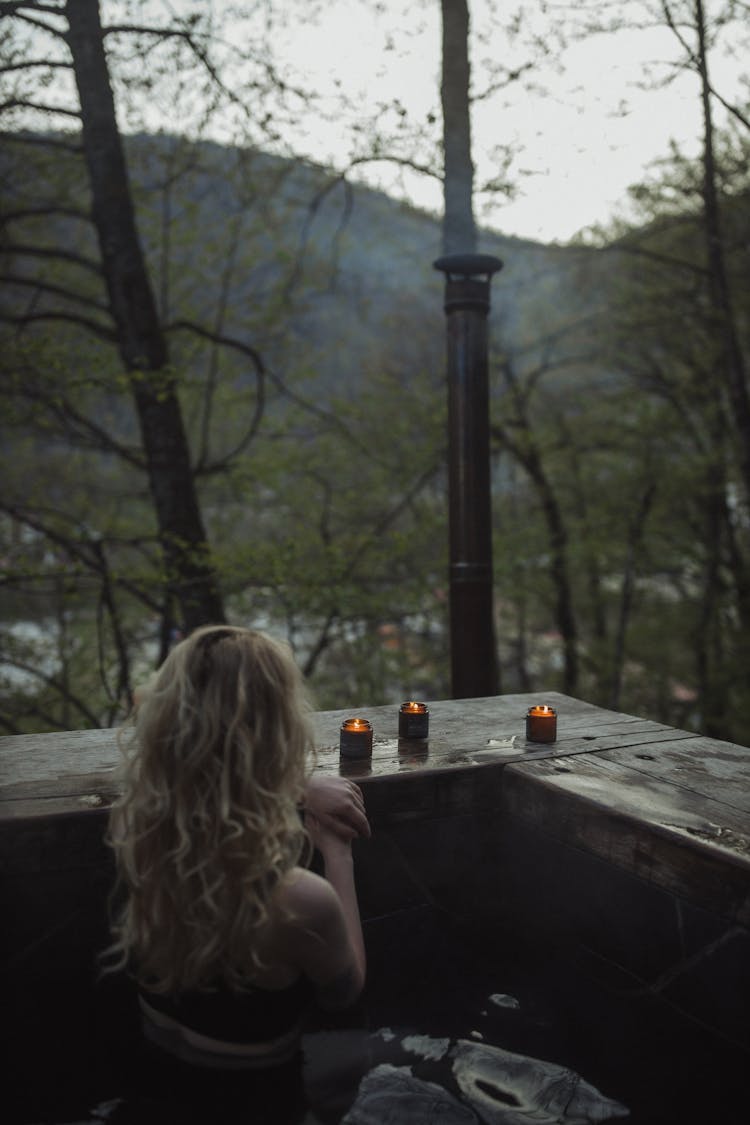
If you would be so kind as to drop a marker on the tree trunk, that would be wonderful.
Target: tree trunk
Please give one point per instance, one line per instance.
(732, 360)
(635, 538)
(459, 231)
(528, 456)
(711, 673)
(730, 364)
(141, 341)
(559, 573)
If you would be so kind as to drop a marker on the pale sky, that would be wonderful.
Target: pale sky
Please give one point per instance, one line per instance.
(580, 144)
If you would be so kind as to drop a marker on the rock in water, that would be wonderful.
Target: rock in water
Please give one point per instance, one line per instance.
(391, 1095)
(508, 1089)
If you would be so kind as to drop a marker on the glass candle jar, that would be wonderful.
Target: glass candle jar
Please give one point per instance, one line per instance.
(413, 720)
(541, 723)
(355, 739)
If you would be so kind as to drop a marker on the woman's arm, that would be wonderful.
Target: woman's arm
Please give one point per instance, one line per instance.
(339, 871)
(327, 935)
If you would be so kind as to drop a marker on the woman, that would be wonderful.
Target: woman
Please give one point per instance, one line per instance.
(228, 936)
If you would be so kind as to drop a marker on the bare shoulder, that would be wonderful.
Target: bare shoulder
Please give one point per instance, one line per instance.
(308, 898)
(312, 916)
(314, 938)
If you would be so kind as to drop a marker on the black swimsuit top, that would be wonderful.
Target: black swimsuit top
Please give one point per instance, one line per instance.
(255, 1015)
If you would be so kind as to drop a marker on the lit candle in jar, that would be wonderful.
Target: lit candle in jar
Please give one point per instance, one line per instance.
(541, 724)
(413, 720)
(355, 740)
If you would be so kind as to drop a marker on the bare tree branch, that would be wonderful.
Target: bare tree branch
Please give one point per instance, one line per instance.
(394, 158)
(374, 534)
(666, 8)
(108, 602)
(20, 7)
(218, 338)
(507, 79)
(42, 25)
(53, 252)
(43, 213)
(76, 549)
(40, 142)
(321, 644)
(329, 417)
(204, 468)
(24, 319)
(189, 38)
(57, 290)
(694, 62)
(58, 686)
(90, 434)
(731, 109)
(40, 107)
(213, 371)
(341, 178)
(34, 64)
(621, 247)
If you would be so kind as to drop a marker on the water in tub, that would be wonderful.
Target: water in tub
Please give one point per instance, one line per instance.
(458, 1024)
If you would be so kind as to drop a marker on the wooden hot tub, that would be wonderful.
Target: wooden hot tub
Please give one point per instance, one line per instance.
(621, 850)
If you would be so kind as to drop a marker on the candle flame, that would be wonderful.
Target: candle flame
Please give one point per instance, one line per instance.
(356, 724)
(417, 708)
(541, 709)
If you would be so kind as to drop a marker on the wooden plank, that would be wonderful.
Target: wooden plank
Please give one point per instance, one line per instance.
(53, 758)
(661, 832)
(83, 787)
(459, 723)
(664, 804)
(463, 734)
(467, 733)
(75, 770)
(706, 766)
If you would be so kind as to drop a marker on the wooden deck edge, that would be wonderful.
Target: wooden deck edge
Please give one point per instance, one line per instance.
(670, 852)
(666, 855)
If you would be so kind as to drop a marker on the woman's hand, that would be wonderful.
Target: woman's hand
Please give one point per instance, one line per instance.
(337, 807)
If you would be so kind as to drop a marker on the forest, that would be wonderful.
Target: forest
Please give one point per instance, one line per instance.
(222, 377)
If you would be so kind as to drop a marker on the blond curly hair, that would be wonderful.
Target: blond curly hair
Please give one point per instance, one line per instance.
(207, 824)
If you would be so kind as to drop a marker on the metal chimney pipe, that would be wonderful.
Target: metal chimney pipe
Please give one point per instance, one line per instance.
(474, 668)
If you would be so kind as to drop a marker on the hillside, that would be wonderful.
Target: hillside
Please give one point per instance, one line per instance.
(319, 276)
(349, 264)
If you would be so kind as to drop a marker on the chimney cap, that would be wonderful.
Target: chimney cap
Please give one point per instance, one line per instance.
(468, 265)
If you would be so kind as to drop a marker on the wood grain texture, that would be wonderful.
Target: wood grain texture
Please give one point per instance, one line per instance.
(687, 843)
(670, 806)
